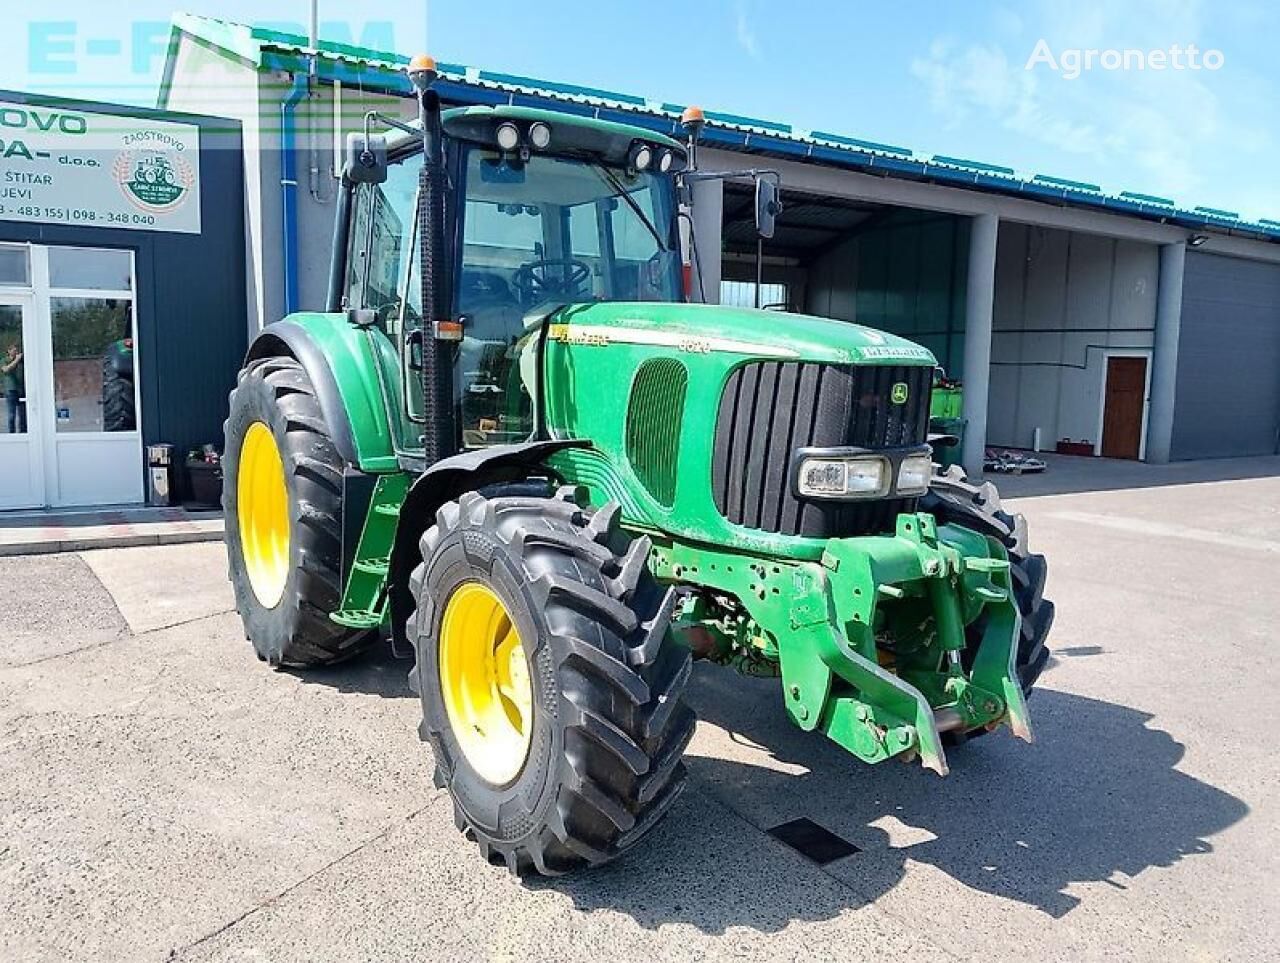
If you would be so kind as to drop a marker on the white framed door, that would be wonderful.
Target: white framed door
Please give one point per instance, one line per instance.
(21, 452)
(82, 445)
(92, 445)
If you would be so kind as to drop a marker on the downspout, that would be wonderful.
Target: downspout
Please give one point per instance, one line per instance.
(289, 189)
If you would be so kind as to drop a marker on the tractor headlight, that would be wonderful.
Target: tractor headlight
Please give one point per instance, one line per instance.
(539, 135)
(641, 156)
(508, 136)
(914, 474)
(865, 476)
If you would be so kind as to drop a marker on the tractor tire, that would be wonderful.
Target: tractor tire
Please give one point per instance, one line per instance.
(604, 726)
(951, 499)
(118, 410)
(282, 500)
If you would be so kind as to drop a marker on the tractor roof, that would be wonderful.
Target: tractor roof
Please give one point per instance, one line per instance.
(458, 119)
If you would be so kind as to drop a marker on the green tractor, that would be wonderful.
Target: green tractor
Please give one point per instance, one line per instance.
(511, 447)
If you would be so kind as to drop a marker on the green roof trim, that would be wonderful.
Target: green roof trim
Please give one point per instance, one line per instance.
(571, 90)
(861, 144)
(1147, 199)
(1215, 212)
(262, 47)
(1070, 185)
(974, 165)
(235, 38)
(738, 120)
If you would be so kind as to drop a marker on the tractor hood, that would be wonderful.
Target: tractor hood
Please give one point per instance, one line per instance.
(710, 328)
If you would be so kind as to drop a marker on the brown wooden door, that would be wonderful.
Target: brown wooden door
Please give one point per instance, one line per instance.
(1122, 410)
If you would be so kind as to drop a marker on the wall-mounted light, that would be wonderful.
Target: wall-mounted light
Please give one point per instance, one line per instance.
(1195, 240)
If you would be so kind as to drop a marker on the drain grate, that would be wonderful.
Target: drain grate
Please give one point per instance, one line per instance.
(813, 841)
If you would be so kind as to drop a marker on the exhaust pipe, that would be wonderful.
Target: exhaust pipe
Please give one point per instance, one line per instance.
(440, 436)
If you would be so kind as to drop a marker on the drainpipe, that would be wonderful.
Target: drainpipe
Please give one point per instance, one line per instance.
(289, 189)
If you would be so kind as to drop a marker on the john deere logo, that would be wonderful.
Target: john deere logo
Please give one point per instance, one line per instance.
(900, 393)
(155, 181)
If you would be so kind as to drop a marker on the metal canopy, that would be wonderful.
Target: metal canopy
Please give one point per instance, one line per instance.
(808, 226)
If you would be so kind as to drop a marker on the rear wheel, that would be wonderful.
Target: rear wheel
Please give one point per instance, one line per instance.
(550, 684)
(282, 498)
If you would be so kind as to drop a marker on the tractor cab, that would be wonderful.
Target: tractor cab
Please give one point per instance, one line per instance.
(543, 210)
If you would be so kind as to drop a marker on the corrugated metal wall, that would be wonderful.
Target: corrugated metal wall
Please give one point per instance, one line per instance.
(1062, 300)
(1228, 389)
(906, 276)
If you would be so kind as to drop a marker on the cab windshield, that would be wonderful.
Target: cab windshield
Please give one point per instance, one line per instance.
(556, 230)
(533, 235)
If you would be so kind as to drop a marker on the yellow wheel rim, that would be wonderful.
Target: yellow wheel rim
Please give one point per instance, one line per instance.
(484, 679)
(262, 503)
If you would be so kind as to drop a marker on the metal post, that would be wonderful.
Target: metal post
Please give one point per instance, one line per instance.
(708, 226)
(979, 302)
(759, 268)
(1164, 356)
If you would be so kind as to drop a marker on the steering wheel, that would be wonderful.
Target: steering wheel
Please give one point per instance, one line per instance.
(535, 280)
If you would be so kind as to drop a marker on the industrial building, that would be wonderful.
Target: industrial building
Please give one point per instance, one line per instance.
(1124, 325)
(1068, 313)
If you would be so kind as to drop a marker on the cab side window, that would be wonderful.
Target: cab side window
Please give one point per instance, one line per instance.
(379, 245)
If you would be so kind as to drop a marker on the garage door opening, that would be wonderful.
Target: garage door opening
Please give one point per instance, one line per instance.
(892, 268)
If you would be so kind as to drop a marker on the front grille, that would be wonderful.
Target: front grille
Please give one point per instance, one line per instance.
(771, 408)
(654, 418)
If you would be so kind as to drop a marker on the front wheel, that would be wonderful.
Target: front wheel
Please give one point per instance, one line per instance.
(550, 684)
(951, 499)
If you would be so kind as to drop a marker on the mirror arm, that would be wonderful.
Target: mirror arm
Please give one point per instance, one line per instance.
(400, 125)
(690, 176)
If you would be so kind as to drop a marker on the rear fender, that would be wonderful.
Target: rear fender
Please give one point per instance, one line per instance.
(341, 361)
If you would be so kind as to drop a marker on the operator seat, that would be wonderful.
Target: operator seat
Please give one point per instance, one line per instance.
(492, 321)
(491, 310)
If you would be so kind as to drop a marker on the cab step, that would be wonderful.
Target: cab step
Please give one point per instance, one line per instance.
(355, 619)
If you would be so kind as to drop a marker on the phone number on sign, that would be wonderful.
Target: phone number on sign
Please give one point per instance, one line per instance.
(75, 215)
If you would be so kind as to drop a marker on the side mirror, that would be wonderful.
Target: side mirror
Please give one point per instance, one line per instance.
(366, 159)
(768, 206)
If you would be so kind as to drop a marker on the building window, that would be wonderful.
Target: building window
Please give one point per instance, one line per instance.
(742, 294)
(14, 266)
(93, 364)
(90, 269)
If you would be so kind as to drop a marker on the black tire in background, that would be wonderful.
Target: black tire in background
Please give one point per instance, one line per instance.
(118, 407)
(951, 499)
(609, 726)
(297, 630)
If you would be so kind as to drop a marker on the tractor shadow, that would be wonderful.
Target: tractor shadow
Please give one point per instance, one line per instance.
(1096, 799)
(373, 672)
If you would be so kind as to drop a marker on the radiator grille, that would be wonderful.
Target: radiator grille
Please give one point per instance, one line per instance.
(771, 408)
(653, 425)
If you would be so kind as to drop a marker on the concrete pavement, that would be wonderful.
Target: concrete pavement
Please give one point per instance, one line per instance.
(162, 795)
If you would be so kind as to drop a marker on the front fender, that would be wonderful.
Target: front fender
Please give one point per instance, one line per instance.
(442, 482)
(342, 362)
